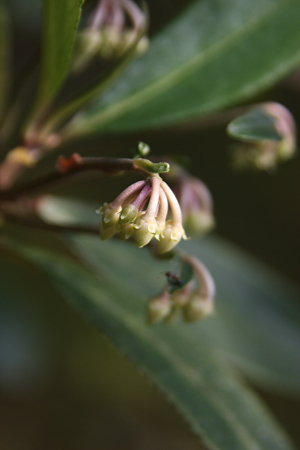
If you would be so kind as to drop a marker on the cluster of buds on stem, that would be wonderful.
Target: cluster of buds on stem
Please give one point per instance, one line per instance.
(114, 27)
(268, 133)
(141, 211)
(196, 203)
(194, 303)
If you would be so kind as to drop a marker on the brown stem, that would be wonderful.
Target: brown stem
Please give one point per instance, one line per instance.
(67, 167)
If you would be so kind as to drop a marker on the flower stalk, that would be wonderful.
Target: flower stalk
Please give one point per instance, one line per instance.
(65, 168)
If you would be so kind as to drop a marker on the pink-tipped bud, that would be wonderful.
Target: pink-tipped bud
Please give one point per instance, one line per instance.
(285, 127)
(268, 133)
(196, 203)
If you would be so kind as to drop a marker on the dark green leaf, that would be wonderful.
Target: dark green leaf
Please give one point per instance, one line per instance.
(220, 410)
(257, 320)
(217, 53)
(61, 19)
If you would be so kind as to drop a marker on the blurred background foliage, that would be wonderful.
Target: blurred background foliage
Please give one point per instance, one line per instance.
(62, 385)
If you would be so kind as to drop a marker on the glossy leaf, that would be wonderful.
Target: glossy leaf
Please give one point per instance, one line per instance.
(224, 413)
(3, 57)
(257, 323)
(61, 19)
(257, 320)
(217, 53)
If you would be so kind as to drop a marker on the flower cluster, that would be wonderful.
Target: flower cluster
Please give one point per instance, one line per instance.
(114, 27)
(268, 136)
(142, 211)
(194, 303)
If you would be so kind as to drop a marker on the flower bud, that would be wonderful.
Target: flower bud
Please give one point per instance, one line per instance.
(182, 296)
(126, 231)
(159, 307)
(198, 221)
(197, 308)
(22, 156)
(110, 214)
(268, 133)
(196, 203)
(170, 237)
(107, 231)
(87, 45)
(142, 45)
(285, 127)
(111, 42)
(128, 214)
(145, 230)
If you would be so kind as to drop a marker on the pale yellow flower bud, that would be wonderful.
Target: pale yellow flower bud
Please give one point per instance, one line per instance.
(87, 45)
(126, 231)
(107, 231)
(128, 214)
(159, 307)
(197, 308)
(110, 214)
(198, 221)
(145, 229)
(170, 237)
(182, 296)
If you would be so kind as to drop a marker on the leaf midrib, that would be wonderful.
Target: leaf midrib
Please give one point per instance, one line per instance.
(170, 80)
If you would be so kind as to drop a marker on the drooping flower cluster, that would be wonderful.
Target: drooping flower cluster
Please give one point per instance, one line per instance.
(142, 211)
(114, 27)
(193, 302)
(268, 136)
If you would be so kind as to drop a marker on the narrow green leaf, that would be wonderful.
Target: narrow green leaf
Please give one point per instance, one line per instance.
(3, 57)
(253, 303)
(61, 19)
(257, 319)
(217, 53)
(224, 413)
